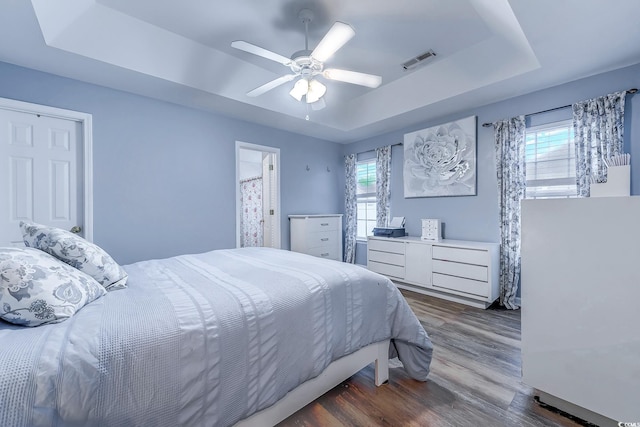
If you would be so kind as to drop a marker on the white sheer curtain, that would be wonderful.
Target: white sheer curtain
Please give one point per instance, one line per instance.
(511, 172)
(350, 208)
(251, 231)
(598, 125)
(383, 179)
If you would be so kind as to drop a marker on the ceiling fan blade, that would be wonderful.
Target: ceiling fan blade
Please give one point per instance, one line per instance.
(354, 77)
(271, 85)
(318, 105)
(338, 35)
(257, 50)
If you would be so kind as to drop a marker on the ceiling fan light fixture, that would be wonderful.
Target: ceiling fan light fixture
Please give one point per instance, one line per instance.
(300, 89)
(316, 91)
(306, 64)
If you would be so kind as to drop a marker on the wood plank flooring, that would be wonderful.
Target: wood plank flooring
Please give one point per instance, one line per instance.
(474, 379)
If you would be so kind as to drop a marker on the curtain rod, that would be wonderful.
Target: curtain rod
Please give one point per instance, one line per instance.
(486, 125)
(368, 151)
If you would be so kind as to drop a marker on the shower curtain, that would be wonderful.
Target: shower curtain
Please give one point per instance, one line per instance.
(251, 223)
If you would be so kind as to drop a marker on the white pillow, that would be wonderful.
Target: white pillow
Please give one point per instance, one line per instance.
(36, 288)
(77, 252)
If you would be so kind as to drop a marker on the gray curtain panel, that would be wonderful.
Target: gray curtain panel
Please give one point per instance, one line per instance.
(350, 209)
(598, 126)
(511, 171)
(383, 179)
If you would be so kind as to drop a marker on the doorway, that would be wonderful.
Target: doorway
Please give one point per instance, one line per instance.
(257, 196)
(46, 171)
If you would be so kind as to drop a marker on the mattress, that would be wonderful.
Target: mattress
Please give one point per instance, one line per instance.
(202, 340)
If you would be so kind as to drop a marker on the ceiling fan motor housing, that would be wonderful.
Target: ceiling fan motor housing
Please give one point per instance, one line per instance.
(304, 64)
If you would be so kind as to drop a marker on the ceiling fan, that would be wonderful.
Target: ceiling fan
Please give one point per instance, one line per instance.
(306, 64)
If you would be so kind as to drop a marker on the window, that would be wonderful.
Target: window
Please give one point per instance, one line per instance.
(366, 198)
(550, 158)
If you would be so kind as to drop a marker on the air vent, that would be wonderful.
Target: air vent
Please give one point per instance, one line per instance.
(413, 62)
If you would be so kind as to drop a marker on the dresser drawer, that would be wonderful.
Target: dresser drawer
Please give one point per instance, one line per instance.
(322, 239)
(315, 225)
(468, 271)
(386, 246)
(390, 270)
(468, 256)
(386, 257)
(330, 252)
(461, 284)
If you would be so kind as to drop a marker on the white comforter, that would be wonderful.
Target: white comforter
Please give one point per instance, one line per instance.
(202, 340)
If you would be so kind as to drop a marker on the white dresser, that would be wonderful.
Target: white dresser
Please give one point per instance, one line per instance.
(455, 270)
(317, 235)
(580, 293)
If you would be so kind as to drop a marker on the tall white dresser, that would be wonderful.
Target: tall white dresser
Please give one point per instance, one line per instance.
(580, 295)
(317, 235)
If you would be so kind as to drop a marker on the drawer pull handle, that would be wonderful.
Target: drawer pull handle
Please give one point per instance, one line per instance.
(324, 224)
(325, 254)
(324, 240)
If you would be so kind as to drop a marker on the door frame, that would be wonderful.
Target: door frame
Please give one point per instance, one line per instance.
(85, 121)
(278, 220)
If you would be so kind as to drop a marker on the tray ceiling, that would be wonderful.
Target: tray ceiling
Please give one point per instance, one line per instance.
(487, 50)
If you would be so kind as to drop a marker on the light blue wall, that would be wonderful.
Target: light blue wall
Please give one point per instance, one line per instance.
(476, 217)
(164, 175)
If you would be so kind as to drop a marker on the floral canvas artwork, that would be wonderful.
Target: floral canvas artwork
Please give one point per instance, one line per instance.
(441, 160)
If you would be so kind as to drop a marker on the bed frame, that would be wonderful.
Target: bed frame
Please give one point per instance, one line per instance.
(334, 374)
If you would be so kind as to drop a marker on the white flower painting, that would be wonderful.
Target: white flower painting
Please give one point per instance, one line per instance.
(441, 160)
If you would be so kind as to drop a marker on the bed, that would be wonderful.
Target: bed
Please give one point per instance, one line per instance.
(239, 336)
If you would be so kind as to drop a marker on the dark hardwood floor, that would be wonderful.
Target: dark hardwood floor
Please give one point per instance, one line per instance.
(474, 379)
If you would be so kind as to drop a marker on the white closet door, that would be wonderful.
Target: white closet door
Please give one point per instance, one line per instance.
(39, 177)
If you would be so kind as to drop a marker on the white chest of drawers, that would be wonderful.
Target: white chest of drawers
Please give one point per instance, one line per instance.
(317, 235)
(456, 270)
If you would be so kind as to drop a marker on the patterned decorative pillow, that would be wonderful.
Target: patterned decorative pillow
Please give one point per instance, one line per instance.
(87, 257)
(36, 288)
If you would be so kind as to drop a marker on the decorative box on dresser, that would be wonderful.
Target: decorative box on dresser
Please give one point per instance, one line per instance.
(455, 270)
(317, 235)
(580, 293)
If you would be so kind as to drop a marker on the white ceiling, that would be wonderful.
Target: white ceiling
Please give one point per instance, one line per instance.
(179, 51)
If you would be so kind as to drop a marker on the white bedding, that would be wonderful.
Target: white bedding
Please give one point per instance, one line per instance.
(202, 340)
